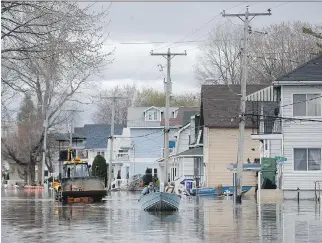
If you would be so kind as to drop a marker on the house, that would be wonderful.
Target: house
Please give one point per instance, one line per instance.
(146, 126)
(89, 141)
(289, 125)
(219, 119)
(122, 146)
(187, 159)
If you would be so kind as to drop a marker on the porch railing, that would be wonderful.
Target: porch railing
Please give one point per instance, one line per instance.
(267, 125)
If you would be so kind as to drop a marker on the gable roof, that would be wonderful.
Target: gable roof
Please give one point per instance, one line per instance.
(136, 118)
(179, 121)
(220, 103)
(309, 71)
(152, 107)
(97, 134)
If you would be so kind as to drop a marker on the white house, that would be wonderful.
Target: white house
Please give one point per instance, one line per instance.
(290, 126)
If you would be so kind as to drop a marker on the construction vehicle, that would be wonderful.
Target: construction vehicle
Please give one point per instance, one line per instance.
(77, 185)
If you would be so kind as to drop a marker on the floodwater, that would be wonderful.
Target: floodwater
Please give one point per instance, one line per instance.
(35, 217)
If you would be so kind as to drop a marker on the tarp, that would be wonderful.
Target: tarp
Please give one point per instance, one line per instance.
(246, 167)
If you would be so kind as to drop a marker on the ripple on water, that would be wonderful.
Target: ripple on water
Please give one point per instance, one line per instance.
(28, 218)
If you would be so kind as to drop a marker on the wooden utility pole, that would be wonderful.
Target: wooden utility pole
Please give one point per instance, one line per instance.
(109, 179)
(240, 155)
(168, 56)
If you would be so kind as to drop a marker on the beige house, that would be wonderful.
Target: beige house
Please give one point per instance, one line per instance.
(219, 118)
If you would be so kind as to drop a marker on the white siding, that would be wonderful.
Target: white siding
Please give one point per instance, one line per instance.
(275, 147)
(183, 141)
(299, 134)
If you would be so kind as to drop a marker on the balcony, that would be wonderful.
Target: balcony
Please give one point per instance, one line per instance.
(267, 128)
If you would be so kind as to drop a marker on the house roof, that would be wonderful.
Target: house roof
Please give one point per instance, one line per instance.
(220, 104)
(66, 136)
(136, 118)
(187, 116)
(193, 152)
(309, 71)
(179, 120)
(97, 134)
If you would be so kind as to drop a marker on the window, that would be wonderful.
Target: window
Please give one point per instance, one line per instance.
(307, 159)
(152, 115)
(307, 105)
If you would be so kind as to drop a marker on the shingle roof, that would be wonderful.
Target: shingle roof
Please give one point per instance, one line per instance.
(66, 136)
(97, 134)
(220, 103)
(198, 151)
(187, 116)
(309, 71)
(179, 121)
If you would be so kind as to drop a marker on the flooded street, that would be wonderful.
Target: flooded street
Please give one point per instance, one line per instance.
(30, 217)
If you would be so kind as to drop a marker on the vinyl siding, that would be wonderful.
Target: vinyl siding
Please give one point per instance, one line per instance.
(221, 150)
(148, 142)
(275, 147)
(299, 134)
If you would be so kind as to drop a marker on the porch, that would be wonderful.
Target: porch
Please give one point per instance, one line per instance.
(264, 112)
(188, 164)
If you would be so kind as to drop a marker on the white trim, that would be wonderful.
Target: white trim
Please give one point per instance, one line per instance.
(178, 137)
(279, 83)
(307, 161)
(306, 93)
(267, 94)
(153, 114)
(266, 136)
(152, 108)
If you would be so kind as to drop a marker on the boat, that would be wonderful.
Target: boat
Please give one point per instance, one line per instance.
(160, 201)
(76, 183)
(225, 190)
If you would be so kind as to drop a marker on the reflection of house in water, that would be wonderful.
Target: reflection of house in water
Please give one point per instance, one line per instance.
(302, 223)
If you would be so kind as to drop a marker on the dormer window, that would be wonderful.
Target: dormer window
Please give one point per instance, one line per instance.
(151, 115)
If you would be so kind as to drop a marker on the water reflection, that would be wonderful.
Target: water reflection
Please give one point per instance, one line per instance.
(28, 216)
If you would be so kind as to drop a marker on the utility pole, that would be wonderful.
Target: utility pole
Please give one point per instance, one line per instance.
(70, 125)
(43, 165)
(167, 90)
(109, 179)
(240, 155)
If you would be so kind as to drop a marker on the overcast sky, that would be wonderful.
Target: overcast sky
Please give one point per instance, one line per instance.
(172, 21)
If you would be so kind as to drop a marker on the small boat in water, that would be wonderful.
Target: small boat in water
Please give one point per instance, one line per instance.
(225, 190)
(151, 200)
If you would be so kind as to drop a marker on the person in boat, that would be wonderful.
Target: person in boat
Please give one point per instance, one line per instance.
(148, 189)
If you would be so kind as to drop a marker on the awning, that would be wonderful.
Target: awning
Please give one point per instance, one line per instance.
(193, 152)
(266, 94)
(190, 153)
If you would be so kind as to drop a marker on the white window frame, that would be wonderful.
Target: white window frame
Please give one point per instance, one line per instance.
(154, 115)
(307, 160)
(306, 103)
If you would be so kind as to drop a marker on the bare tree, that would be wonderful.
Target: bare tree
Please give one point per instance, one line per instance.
(271, 55)
(103, 113)
(53, 51)
(220, 54)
